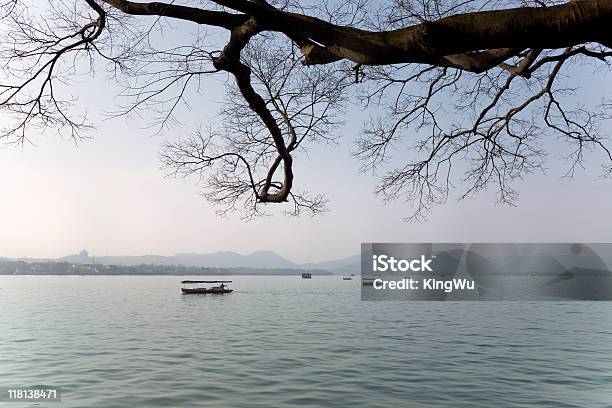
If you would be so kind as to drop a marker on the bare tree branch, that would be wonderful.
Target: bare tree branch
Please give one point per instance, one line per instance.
(451, 86)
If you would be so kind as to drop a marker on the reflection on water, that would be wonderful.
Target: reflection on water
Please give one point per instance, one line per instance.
(285, 341)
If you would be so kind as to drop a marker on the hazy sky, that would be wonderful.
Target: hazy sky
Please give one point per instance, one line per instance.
(108, 195)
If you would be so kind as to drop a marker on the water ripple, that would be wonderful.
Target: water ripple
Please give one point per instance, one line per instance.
(287, 342)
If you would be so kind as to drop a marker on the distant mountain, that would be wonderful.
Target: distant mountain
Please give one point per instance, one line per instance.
(222, 259)
(229, 259)
(120, 260)
(350, 261)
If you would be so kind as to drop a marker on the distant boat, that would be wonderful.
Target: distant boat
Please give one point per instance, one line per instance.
(306, 275)
(367, 282)
(189, 287)
(346, 278)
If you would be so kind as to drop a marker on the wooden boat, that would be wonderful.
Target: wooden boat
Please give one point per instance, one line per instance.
(220, 289)
(346, 278)
(306, 276)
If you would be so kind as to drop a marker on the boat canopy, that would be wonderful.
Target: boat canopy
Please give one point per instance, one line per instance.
(200, 281)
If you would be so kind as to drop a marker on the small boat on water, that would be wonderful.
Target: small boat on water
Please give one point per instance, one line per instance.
(306, 276)
(367, 282)
(192, 287)
(346, 278)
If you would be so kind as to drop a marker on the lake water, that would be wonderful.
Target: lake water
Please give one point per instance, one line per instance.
(289, 342)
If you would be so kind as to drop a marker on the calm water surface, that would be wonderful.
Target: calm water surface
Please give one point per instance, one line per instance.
(287, 342)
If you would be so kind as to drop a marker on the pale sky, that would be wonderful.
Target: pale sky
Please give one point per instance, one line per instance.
(109, 196)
